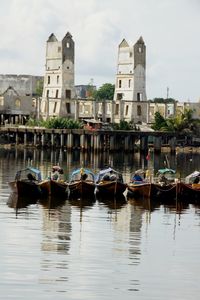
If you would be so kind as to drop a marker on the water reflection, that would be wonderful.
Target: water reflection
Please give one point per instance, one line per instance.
(144, 203)
(124, 162)
(112, 203)
(83, 203)
(55, 245)
(56, 229)
(16, 202)
(52, 202)
(101, 249)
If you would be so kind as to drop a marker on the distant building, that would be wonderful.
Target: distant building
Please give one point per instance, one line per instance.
(59, 87)
(130, 87)
(194, 106)
(25, 85)
(168, 110)
(165, 109)
(15, 108)
(16, 102)
(84, 91)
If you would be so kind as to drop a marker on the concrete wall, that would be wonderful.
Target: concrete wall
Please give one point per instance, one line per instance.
(23, 84)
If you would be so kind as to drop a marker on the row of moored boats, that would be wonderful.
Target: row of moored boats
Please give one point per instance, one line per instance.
(107, 183)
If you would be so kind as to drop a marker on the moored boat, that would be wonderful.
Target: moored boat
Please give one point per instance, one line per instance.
(138, 187)
(139, 190)
(27, 183)
(166, 192)
(81, 184)
(110, 182)
(164, 186)
(55, 186)
(189, 190)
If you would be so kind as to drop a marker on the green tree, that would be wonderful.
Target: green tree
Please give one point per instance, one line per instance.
(123, 125)
(160, 122)
(39, 87)
(182, 122)
(105, 92)
(163, 100)
(57, 123)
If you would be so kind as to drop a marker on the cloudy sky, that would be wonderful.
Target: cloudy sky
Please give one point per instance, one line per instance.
(170, 29)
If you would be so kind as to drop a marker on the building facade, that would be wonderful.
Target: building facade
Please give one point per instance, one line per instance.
(15, 108)
(16, 98)
(58, 87)
(25, 85)
(130, 86)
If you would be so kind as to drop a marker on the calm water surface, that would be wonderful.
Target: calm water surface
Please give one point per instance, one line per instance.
(97, 251)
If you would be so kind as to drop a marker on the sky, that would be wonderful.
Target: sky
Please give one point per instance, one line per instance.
(170, 29)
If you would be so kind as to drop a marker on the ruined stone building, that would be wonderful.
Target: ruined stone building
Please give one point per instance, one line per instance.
(130, 86)
(61, 98)
(59, 77)
(59, 95)
(16, 98)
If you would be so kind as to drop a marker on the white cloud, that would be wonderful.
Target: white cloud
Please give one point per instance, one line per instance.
(170, 29)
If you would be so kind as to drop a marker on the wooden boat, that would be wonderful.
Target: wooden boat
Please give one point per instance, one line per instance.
(54, 188)
(81, 184)
(139, 190)
(189, 192)
(138, 187)
(110, 182)
(164, 187)
(165, 192)
(27, 183)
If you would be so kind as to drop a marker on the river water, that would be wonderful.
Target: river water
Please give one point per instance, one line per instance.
(98, 250)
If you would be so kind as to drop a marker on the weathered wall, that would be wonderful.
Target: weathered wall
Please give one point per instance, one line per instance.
(24, 84)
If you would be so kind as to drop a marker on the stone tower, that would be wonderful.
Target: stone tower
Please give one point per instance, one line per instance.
(139, 71)
(131, 68)
(130, 86)
(59, 77)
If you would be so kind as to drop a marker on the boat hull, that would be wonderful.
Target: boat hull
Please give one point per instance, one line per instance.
(142, 190)
(110, 188)
(54, 188)
(166, 192)
(189, 192)
(80, 189)
(26, 188)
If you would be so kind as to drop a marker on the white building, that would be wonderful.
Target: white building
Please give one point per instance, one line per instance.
(130, 86)
(59, 77)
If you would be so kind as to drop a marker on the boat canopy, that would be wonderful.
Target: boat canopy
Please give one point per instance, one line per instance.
(166, 170)
(27, 170)
(109, 171)
(192, 176)
(78, 172)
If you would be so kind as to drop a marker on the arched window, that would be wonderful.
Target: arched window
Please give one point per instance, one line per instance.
(34, 104)
(139, 110)
(17, 103)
